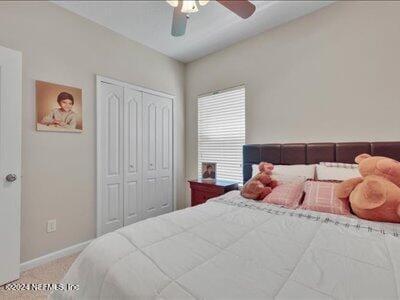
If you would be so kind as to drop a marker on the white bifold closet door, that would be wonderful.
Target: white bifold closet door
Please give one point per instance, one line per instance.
(132, 155)
(157, 155)
(136, 156)
(112, 192)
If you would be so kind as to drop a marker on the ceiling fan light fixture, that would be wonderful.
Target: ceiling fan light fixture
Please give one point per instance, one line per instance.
(182, 9)
(173, 3)
(189, 6)
(203, 2)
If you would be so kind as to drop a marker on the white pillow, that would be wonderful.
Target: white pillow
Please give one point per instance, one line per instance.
(281, 178)
(339, 165)
(333, 173)
(285, 179)
(307, 171)
(254, 170)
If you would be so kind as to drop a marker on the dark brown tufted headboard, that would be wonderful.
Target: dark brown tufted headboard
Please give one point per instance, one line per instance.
(313, 153)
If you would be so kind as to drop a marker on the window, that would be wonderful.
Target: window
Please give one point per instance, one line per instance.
(221, 132)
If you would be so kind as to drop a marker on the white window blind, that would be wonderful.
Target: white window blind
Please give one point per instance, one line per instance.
(221, 132)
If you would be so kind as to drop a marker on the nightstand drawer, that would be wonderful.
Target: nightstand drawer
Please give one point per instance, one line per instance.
(207, 188)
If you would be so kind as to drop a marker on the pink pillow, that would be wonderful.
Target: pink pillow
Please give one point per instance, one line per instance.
(320, 196)
(287, 194)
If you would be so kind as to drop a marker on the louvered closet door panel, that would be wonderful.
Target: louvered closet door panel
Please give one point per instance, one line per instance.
(112, 161)
(133, 155)
(157, 155)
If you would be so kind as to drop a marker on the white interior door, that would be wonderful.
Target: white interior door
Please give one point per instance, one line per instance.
(157, 155)
(112, 168)
(133, 155)
(10, 163)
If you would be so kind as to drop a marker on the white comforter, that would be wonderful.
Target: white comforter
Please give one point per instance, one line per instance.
(232, 248)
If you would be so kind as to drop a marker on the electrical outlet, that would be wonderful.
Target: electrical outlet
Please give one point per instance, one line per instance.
(51, 225)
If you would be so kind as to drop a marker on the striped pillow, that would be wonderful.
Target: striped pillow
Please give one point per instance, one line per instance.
(320, 196)
(339, 165)
(287, 194)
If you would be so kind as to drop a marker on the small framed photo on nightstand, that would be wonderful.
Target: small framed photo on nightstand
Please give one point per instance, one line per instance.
(208, 171)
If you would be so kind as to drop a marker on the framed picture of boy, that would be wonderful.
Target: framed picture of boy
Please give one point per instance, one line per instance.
(58, 107)
(208, 171)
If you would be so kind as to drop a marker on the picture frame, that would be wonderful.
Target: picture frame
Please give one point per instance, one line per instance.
(208, 171)
(58, 107)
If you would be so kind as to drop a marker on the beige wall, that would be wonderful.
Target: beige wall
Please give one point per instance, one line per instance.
(333, 75)
(58, 169)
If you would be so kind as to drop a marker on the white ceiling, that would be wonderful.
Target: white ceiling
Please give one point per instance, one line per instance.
(211, 29)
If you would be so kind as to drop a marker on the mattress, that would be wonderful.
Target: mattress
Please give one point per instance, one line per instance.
(234, 248)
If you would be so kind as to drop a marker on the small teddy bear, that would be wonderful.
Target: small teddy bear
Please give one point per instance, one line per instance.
(376, 195)
(258, 187)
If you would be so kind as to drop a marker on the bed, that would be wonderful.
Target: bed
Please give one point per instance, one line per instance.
(234, 248)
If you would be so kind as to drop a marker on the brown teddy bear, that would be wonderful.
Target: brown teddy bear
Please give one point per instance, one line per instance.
(259, 186)
(376, 195)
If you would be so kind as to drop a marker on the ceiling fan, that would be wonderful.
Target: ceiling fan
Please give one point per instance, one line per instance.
(182, 9)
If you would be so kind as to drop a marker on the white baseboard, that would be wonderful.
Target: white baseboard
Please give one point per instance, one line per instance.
(52, 256)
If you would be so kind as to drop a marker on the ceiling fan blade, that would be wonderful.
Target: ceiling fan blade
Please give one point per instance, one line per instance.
(179, 21)
(243, 8)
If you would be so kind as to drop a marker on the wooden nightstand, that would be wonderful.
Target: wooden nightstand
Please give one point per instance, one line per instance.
(204, 190)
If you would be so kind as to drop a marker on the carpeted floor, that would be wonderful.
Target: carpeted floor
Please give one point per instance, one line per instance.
(51, 272)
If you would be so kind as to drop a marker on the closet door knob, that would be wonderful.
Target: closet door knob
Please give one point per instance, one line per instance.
(11, 177)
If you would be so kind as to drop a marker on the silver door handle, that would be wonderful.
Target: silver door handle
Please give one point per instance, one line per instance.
(11, 177)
